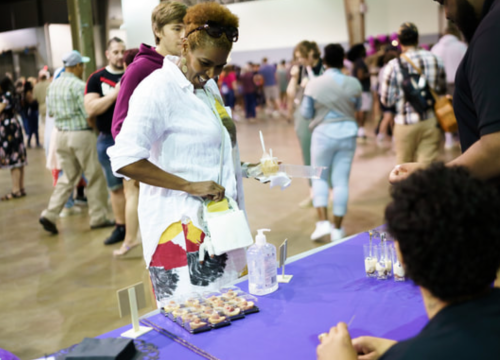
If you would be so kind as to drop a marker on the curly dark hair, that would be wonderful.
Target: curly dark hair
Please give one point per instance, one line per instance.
(198, 15)
(6, 85)
(448, 229)
(357, 51)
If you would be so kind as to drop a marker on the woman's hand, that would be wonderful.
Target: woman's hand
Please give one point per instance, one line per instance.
(208, 189)
(371, 348)
(336, 345)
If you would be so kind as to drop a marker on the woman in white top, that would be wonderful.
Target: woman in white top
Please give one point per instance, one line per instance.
(171, 141)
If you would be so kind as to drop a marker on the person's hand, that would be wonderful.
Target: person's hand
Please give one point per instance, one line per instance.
(336, 345)
(206, 189)
(371, 348)
(401, 172)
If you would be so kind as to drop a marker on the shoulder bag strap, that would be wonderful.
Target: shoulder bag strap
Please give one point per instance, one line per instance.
(212, 100)
(419, 71)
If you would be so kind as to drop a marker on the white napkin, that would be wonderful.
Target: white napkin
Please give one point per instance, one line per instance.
(280, 179)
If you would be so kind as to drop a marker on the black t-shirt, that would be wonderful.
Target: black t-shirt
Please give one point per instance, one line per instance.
(361, 65)
(477, 94)
(470, 330)
(102, 82)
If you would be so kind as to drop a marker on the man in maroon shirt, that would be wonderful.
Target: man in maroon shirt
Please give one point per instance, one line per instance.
(168, 27)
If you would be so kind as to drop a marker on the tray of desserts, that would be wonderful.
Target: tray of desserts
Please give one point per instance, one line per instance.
(198, 313)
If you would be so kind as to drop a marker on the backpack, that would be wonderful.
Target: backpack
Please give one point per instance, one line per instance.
(416, 90)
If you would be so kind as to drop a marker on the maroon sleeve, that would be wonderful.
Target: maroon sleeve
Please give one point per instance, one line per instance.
(135, 73)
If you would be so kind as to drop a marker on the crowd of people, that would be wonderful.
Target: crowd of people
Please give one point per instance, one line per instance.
(133, 122)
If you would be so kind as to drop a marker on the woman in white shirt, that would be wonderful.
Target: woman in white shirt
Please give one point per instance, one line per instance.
(171, 141)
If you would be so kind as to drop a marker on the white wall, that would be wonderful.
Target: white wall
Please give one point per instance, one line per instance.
(18, 39)
(264, 24)
(60, 43)
(269, 24)
(385, 16)
(137, 21)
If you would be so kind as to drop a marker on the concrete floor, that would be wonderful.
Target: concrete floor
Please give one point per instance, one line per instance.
(56, 290)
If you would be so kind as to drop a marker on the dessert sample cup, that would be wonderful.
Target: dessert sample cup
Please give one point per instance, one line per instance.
(370, 260)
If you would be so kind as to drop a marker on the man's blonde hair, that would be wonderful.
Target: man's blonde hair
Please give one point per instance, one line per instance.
(166, 12)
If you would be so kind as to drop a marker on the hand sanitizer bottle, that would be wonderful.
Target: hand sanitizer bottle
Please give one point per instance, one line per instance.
(262, 269)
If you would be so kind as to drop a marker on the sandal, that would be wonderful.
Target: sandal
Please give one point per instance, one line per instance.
(11, 195)
(126, 251)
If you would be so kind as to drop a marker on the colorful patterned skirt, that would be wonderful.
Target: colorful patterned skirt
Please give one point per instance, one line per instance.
(12, 149)
(175, 268)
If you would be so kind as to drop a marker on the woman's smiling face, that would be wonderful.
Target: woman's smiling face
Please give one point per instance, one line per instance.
(203, 63)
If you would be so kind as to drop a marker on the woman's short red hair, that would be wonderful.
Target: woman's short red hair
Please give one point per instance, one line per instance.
(198, 15)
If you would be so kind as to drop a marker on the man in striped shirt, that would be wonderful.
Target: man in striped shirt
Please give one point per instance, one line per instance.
(76, 146)
(417, 137)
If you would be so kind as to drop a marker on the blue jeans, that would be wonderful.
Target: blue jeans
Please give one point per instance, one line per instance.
(104, 141)
(230, 98)
(336, 155)
(250, 105)
(71, 200)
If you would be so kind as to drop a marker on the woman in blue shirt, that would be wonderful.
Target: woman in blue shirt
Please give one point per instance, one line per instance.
(330, 102)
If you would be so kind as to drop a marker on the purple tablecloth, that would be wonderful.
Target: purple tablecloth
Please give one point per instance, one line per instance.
(327, 287)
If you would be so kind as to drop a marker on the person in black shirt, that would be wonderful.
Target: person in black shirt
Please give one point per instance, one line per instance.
(453, 256)
(100, 97)
(357, 55)
(477, 93)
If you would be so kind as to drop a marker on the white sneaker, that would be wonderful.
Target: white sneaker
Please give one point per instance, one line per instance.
(323, 228)
(74, 210)
(380, 139)
(361, 132)
(337, 234)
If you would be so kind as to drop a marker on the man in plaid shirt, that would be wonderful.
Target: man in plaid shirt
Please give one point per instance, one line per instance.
(76, 146)
(416, 137)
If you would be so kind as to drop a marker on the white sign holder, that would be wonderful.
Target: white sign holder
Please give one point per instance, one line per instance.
(134, 298)
(283, 256)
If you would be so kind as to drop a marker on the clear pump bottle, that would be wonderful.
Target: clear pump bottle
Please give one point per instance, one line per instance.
(262, 269)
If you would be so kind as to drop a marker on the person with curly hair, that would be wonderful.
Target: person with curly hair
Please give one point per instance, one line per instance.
(174, 140)
(447, 230)
(357, 55)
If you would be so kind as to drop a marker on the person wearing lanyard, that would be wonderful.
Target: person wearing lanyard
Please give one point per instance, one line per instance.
(330, 102)
(76, 146)
(171, 143)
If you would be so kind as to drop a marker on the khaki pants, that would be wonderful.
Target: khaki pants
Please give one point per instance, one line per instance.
(417, 142)
(77, 153)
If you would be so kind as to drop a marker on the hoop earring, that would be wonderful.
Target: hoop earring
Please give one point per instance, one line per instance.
(184, 66)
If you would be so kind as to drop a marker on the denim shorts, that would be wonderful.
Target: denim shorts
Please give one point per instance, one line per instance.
(104, 141)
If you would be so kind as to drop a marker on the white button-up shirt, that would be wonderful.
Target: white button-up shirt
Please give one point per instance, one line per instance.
(173, 128)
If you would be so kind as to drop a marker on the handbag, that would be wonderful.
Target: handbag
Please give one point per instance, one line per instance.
(226, 226)
(442, 107)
